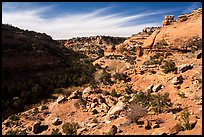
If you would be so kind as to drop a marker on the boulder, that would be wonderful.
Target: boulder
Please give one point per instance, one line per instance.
(37, 127)
(113, 130)
(120, 106)
(80, 130)
(139, 51)
(149, 89)
(56, 121)
(93, 105)
(184, 67)
(173, 130)
(61, 99)
(168, 20)
(198, 54)
(157, 87)
(177, 80)
(149, 42)
(86, 90)
(182, 18)
(147, 124)
(74, 95)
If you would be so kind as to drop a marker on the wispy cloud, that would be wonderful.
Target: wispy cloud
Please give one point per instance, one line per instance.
(189, 9)
(64, 26)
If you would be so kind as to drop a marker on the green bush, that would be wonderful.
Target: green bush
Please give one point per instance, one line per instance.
(44, 107)
(169, 66)
(35, 111)
(114, 93)
(157, 102)
(185, 117)
(106, 78)
(128, 89)
(120, 76)
(70, 128)
(56, 132)
(181, 94)
(13, 117)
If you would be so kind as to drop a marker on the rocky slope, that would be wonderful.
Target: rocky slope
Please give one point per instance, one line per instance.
(92, 46)
(33, 65)
(138, 90)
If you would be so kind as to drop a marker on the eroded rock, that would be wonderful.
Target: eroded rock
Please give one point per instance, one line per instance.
(177, 80)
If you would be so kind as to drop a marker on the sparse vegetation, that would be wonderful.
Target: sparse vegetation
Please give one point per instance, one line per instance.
(169, 66)
(13, 117)
(128, 89)
(70, 128)
(161, 44)
(157, 102)
(44, 107)
(106, 78)
(35, 111)
(114, 93)
(181, 94)
(185, 118)
(121, 76)
(56, 132)
(193, 44)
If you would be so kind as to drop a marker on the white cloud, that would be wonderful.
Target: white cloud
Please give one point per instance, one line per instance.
(67, 25)
(194, 6)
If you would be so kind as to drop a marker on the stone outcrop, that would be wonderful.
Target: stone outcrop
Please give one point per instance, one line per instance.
(150, 41)
(184, 67)
(177, 80)
(168, 20)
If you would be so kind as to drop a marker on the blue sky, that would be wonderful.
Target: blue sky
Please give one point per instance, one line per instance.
(63, 20)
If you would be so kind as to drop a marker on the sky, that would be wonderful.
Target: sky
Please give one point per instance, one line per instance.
(64, 20)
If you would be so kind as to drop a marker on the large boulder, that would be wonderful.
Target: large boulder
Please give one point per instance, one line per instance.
(157, 87)
(184, 67)
(120, 106)
(150, 40)
(177, 80)
(86, 90)
(168, 20)
(75, 95)
(61, 99)
(38, 128)
(56, 121)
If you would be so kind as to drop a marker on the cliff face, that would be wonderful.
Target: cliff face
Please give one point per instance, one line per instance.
(92, 46)
(177, 33)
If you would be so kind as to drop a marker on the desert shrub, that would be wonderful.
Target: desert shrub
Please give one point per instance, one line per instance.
(106, 78)
(35, 111)
(181, 94)
(70, 128)
(11, 132)
(168, 53)
(160, 101)
(56, 132)
(13, 117)
(157, 102)
(185, 118)
(135, 112)
(169, 66)
(94, 112)
(128, 89)
(16, 132)
(44, 107)
(160, 44)
(113, 93)
(193, 44)
(120, 76)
